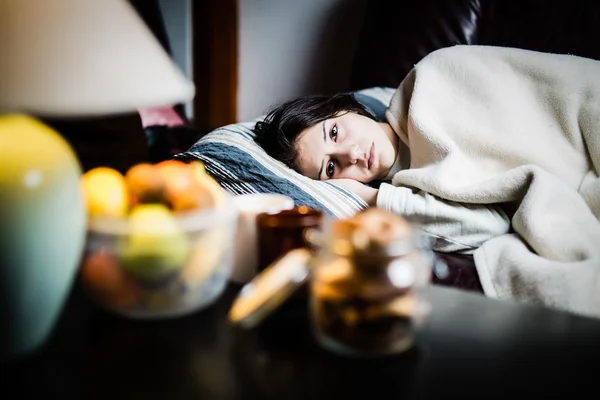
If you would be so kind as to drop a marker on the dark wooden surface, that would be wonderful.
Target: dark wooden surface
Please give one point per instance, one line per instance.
(472, 347)
(215, 45)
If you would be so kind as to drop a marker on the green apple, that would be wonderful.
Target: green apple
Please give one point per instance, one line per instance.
(156, 245)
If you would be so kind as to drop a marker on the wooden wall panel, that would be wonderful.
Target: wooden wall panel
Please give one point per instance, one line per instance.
(215, 59)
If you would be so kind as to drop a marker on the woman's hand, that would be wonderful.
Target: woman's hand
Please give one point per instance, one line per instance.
(365, 192)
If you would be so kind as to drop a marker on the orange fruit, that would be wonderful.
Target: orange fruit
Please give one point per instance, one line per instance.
(146, 184)
(217, 194)
(105, 192)
(184, 192)
(108, 282)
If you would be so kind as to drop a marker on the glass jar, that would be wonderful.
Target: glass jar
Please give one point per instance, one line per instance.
(282, 231)
(366, 283)
(365, 275)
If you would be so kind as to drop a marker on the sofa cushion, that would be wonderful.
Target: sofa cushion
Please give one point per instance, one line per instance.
(397, 34)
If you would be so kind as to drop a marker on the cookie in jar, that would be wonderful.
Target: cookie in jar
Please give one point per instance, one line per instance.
(366, 284)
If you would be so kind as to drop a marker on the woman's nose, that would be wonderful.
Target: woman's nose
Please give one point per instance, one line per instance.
(354, 154)
(350, 155)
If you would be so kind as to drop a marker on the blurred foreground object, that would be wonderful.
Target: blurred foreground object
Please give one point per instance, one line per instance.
(60, 58)
(160, 239)
(366, 276)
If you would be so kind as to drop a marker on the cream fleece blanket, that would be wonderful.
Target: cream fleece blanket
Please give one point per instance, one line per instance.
(498, 125)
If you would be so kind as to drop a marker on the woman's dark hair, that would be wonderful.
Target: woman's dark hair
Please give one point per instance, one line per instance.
(278, 132)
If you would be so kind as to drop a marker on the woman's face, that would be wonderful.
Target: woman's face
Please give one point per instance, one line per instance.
(347, 146)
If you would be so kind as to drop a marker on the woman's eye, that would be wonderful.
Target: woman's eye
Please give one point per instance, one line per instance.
(334, 132)
(330, 169)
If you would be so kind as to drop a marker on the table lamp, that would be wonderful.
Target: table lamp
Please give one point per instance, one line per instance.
(60, 58)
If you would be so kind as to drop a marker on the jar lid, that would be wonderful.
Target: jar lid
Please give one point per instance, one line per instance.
(371, 233)
(297, 217)
(269, 289)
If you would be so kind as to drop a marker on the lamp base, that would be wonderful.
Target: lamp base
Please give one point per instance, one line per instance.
(42, 231)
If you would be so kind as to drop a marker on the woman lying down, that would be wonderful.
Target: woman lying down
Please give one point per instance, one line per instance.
(494, 151)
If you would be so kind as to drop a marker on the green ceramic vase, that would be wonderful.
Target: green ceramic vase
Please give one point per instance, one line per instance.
(42, 231)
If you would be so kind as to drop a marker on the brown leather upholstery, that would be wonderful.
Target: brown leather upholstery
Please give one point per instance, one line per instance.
(396, 34)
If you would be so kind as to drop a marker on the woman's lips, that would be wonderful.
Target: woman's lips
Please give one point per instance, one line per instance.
(371, 156)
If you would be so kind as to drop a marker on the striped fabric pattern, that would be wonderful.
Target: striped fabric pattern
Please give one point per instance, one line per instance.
(241, 166)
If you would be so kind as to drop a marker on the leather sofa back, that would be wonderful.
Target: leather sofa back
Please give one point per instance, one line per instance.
(396, 34)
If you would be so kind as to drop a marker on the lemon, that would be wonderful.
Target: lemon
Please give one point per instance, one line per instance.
(156, 245)
(105, 192)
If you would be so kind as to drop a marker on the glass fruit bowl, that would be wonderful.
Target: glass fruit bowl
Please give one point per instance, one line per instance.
(157, 263)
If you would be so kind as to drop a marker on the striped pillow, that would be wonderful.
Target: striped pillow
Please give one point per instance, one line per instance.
(241, 166)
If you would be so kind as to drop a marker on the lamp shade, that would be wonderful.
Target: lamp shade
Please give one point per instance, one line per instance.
(82, 58)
